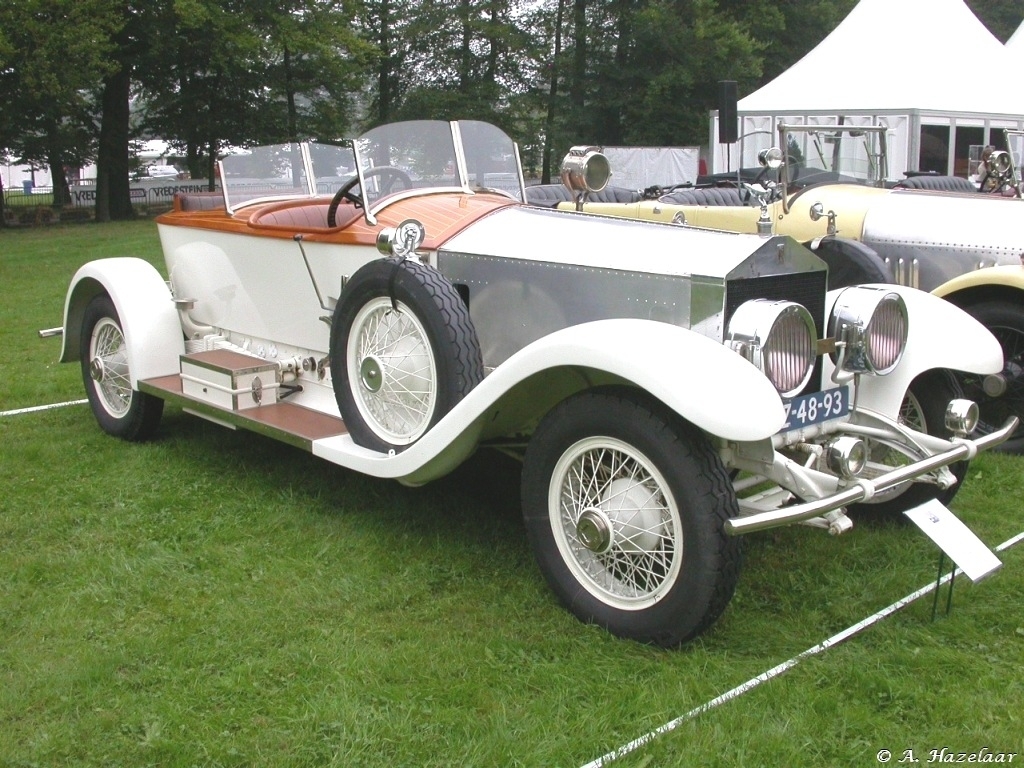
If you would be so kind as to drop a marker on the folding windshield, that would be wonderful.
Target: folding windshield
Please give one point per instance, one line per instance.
(425, 155)
(403, 159)
(284, 172)
(814, 154)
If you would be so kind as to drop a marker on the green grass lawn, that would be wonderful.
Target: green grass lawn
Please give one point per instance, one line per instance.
(213, 598)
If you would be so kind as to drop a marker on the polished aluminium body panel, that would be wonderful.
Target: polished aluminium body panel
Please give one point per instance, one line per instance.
(946, 234)
(530, 272)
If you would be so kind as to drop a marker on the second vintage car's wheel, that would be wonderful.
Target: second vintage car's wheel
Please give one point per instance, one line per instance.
(120, 410)
(923, 409)
(1005, 320)
(403, 352)
(625, 507)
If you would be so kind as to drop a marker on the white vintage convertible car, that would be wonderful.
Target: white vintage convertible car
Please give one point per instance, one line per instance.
(392, 306)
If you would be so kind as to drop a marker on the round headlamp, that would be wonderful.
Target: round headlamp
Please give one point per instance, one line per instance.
(585, 169)
(846, 455)
(870, 329)
(961, 417)
(998, 163)
(779, 338)
(770, 158)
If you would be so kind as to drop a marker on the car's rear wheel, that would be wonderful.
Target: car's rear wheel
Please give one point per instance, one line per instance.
(120, 410)
(625, 507)
(403, 352)
(924, 410)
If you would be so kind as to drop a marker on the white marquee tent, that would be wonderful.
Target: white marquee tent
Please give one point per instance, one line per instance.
(924, 68)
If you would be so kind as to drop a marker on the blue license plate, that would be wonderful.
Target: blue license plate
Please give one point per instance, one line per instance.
(805, 410)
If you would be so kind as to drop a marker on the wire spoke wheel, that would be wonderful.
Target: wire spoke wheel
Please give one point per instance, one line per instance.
(390, 358)
(119, 409)
(615, 525)
(625, 507)
(403, 352)
(108, 367)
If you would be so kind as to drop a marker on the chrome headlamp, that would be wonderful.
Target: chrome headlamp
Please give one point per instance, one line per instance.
(779, 338)
(961, 417)
(585, 169)
(999, 163)
(870, 329)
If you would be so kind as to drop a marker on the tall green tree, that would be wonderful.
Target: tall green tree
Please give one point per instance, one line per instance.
(468, 60)
(8, 131)
(1002, 17)
(53, 53)
(315, 64)
(136, 28)
(694, 46)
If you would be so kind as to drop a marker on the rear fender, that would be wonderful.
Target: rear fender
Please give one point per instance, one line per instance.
(940, 335)
(148, 318)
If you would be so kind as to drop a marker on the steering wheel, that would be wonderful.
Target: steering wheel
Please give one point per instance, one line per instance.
(389, 175)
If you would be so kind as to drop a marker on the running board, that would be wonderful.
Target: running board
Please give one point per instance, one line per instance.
(212, 399)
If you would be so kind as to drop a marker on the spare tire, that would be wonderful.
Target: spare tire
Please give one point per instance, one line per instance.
(403, 352)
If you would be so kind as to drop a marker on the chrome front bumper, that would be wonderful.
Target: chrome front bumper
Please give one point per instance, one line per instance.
(863, 489)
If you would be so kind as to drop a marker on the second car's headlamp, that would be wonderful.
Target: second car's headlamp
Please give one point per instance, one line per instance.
(870, 329)
(585, 169)
(779, 338)
(999, 163)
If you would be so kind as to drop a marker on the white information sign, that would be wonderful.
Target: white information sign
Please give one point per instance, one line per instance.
(954, 538)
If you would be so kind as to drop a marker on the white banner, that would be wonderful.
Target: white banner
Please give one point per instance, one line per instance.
(641, 167)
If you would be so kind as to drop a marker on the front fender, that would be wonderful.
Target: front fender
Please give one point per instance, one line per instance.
(698, 378)
(1008, 276)
(703, 381)
(940, 335)
(149, 321)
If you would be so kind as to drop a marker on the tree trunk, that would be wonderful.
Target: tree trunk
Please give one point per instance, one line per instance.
(211, 165)
(384, 70)
(549, 121)
(55, 159)
(289, 85)
(466, 52)
(113, 191)
(578, 81)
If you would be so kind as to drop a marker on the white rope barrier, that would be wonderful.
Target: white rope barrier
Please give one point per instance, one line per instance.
(785, 666)
(36, 408)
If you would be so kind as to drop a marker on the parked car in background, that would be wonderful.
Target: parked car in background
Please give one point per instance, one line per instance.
(823, 185)
(162, 172)
(666, 389)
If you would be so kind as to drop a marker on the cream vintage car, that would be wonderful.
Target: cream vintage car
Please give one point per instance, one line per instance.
(666, 389)
(824, 186)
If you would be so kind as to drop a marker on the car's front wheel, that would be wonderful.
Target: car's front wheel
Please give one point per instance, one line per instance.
(120, 410)
(625, 507)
